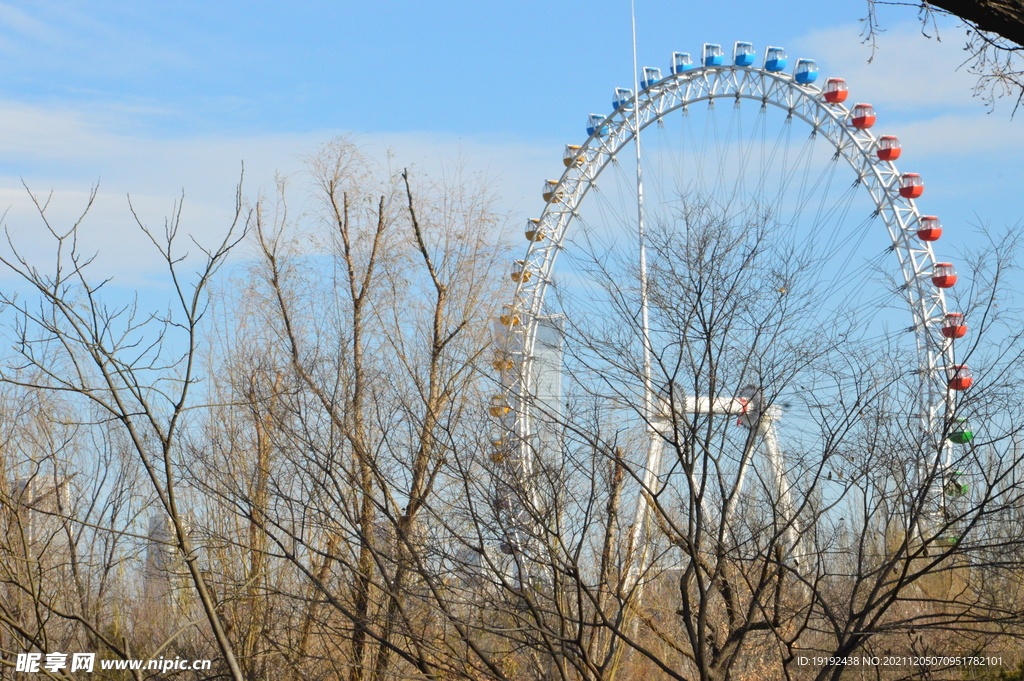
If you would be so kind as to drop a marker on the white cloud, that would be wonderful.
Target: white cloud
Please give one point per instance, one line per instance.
(909, 72)
(67, 151)
(986, 138)
(921, 90)
(26, 25)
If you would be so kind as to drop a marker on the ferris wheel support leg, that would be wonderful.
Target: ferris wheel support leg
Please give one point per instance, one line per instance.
(638, 540)
(932, 474)
(741, 476)
(523, 531)
(783, 497)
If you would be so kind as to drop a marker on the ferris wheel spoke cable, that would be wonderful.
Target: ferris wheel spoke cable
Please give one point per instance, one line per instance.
(721, 144)
(738, 182)
(824, 212)
(624, 213)
(789, 169)
(803, 195)
(790, 178)
(781, 144)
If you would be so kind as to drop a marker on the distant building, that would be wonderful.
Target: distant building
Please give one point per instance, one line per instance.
(42, 504)
(548, 408)
(166, 577)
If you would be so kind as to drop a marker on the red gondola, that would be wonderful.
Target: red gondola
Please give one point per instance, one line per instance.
(911, 186)
(929, 228)
(960, 377)
(889, 148)
(954, 326)
(944, 276)
(836, 90)
(863, 116)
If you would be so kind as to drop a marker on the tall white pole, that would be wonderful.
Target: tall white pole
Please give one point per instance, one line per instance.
(638, 542)
(644, 320)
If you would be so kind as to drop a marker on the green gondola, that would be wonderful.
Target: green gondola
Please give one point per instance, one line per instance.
(961, 432)
(955, 486)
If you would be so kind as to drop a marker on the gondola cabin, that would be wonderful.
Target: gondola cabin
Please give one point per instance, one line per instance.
(595, 125)
(652, 74)
(501, 451)
(571, 157)
(775, 59)
(622, 98)
(509, 317)
(681, 62)
(520, 273)
(502, 361)
(929, 228)
(499, 406)
(960, 432)
(960, 377)
(956, 487)
(863, 116)
(533, 230)
(953, 325)
(889, 148)
(911, 186)
(551, 193)
(806, 71)
(836, 91)
(499, 456)
(743, 54)
(713, 55)
(943, 275)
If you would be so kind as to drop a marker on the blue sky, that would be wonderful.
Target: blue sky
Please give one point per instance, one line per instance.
(157, 98)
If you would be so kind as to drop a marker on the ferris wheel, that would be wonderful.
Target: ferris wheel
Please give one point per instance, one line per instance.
(738, 140)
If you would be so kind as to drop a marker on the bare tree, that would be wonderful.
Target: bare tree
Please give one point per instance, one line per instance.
(132, 370)
(372, 309)
(834, 546)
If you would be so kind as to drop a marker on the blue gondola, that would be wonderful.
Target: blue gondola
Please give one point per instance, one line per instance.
(806, 71)
(775, 59)
(594, 124)
(652, 75)
(713, 55)
(743, 54)
(622, 98)
(681, 62)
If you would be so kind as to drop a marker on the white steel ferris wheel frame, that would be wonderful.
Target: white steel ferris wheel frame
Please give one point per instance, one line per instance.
(858, 147)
